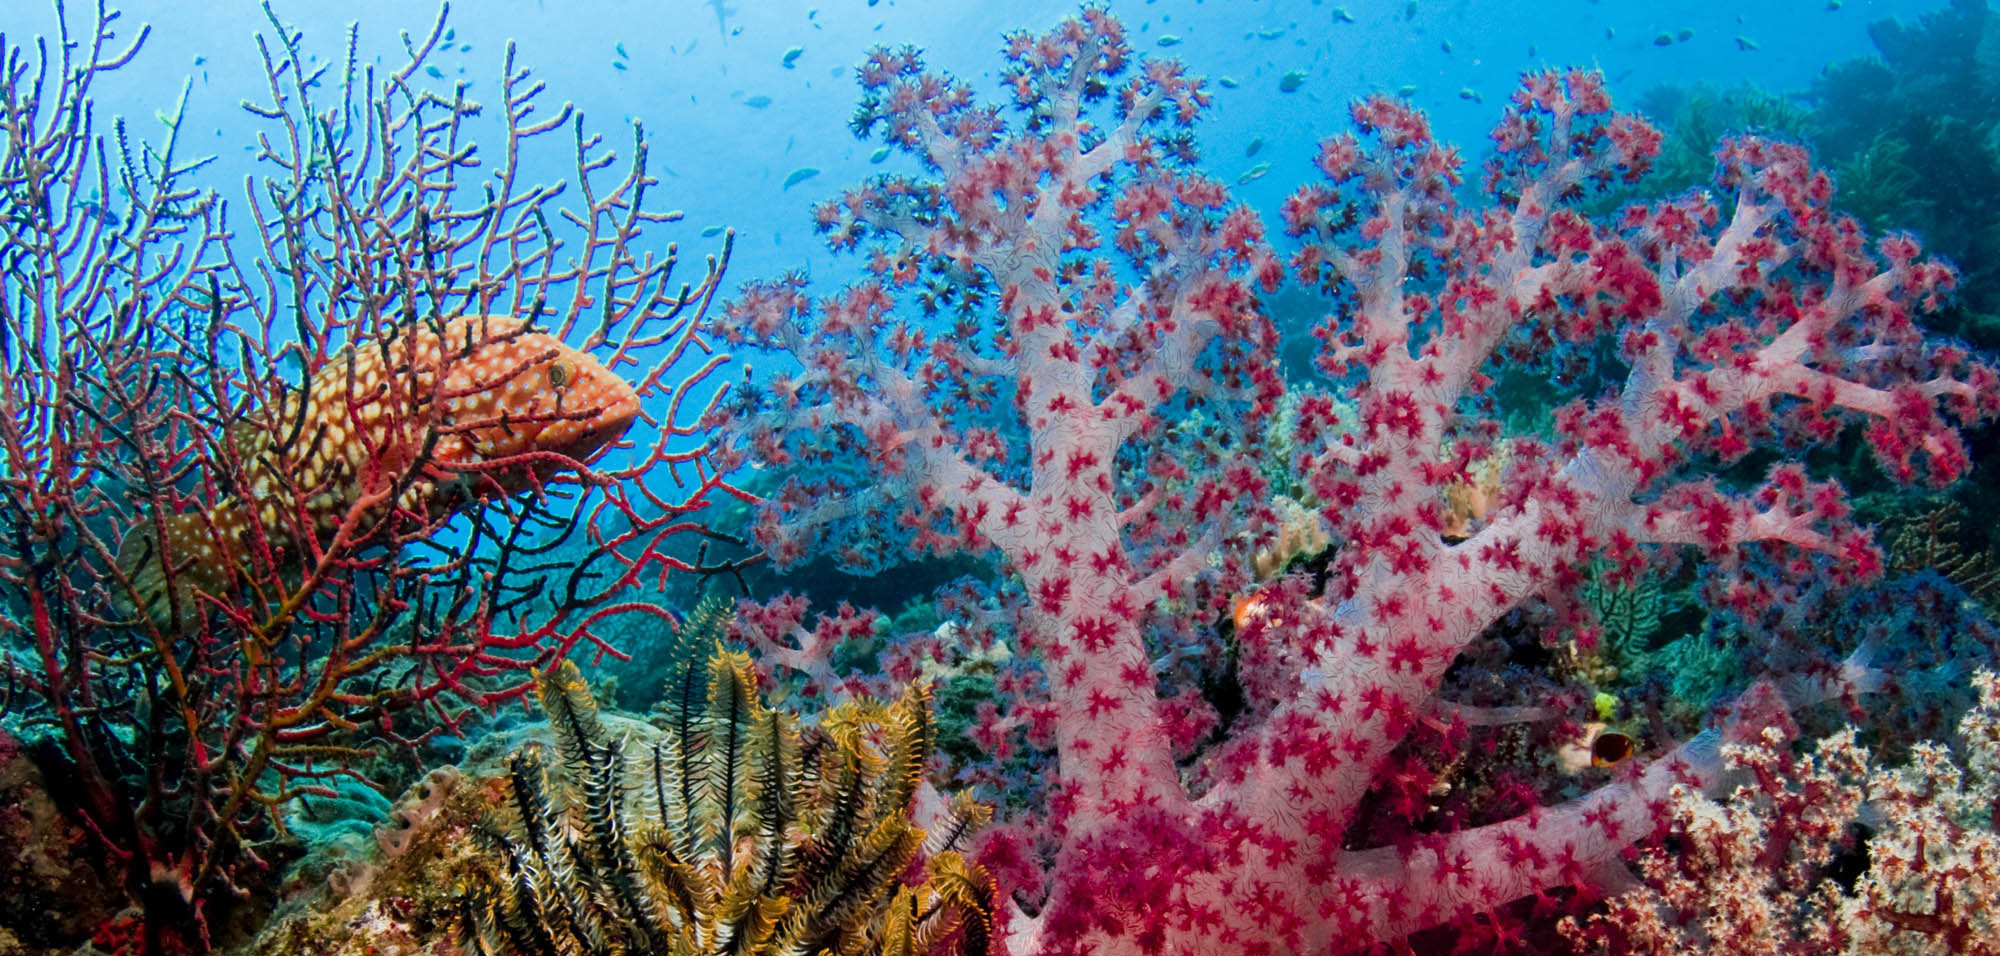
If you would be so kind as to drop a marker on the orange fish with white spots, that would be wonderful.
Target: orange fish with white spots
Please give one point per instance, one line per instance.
(490, 407)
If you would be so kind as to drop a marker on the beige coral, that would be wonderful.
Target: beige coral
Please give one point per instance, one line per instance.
(1467, 502)
(1753, 872)
(1299, 533)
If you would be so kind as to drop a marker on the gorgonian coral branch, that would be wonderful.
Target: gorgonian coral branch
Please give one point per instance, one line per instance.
(280, 498)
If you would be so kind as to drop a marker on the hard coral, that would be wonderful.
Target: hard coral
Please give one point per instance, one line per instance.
(398, 894)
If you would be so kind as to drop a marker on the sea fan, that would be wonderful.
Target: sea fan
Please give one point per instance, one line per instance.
(733, 833)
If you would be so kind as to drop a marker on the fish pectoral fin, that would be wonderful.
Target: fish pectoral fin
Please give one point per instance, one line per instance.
(141, 561)
(144, 588)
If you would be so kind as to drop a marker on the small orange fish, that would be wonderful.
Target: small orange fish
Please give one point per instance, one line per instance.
(362, 424)
(1244, 607)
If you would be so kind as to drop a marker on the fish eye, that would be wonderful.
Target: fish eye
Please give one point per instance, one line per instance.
(559, 374)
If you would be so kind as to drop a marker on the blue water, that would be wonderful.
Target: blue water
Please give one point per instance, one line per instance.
(689, 79)
(745, 105)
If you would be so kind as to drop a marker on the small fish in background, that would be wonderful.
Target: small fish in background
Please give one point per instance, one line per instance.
(1340, 15)
(434, 72)
(1745, 43)
(1470, 95)
(1227, 82)
(1255, 145)
(1612, 748)
(879, 155)
(93, 209)
(1245, 608)
(1410, 10)
(1253, 174)
(1407, 90)
(791, 57)
(1290, 82)
(1168, 39)
(1684, 34)
(798, 176)
(711, 232)
(757, 102)
(1445, 47)
(1600, 747)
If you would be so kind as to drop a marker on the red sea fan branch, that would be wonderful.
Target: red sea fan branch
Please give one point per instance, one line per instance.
(265, 514)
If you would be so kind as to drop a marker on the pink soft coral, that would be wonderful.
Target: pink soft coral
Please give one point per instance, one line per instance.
(1097, 289)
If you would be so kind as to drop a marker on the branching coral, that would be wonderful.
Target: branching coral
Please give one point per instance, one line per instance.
(1829, 853)
(301, 415)
(1930, 540)
(1106, 298)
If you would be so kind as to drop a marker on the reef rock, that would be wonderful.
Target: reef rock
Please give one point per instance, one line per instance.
(52, 896)
(399, 895)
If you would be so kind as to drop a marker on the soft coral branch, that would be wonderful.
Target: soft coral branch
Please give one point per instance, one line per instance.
(1094, 285)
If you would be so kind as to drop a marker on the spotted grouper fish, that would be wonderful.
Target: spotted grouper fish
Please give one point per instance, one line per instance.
(433, 421)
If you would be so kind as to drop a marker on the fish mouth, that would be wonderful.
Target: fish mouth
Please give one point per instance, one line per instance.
(603, 429)
(618, 414)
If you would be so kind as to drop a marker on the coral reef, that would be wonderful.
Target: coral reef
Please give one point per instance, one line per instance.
(1916, 130)
(398, 894)
(1786, 862)
(728, 825)
(279, 476)
(1929, 540)
(1384, 575)
(1093, 427)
